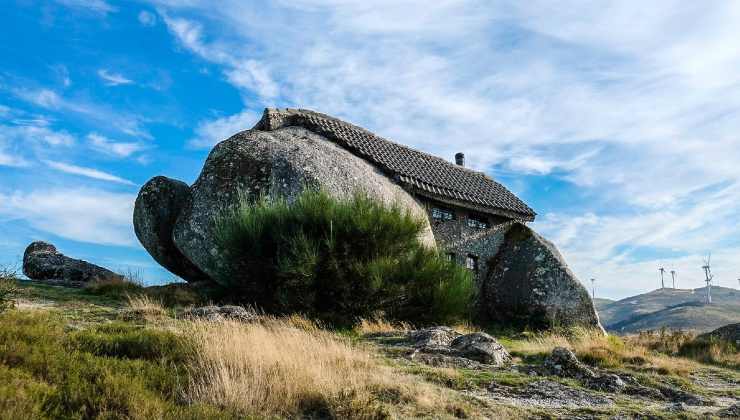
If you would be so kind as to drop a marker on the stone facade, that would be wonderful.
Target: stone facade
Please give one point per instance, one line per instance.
(467, 235)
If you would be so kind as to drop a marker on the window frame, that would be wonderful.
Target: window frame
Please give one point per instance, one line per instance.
(474, 259)
(443, 214)
(477, 221)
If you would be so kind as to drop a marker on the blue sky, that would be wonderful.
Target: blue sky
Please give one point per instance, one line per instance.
(617, 122)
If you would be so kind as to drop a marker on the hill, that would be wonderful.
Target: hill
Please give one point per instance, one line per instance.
(600, 303)
(673, 308)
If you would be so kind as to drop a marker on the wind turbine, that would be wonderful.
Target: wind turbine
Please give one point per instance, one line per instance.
(709, 276)
(662, 284)
(673, 275)
(593, 289)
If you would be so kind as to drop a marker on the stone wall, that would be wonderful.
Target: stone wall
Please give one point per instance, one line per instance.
(456, 236)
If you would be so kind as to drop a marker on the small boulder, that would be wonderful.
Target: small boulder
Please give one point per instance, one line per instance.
(481, 347)
(530, 285)
(155, 212)
(563, 362)
(433, 336)
(42, 262)
(220, 313)
(608, 383)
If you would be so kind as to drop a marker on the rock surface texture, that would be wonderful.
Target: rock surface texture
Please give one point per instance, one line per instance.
(155, 214)
(42, 261)
(443, 346)
(278, 163)
(529, 284)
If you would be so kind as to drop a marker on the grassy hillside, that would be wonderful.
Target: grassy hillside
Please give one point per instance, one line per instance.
(672, 308)
(74, 353)
(600, 303)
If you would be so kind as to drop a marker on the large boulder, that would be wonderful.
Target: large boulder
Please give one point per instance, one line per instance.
(155, 213)
(275, 161)
(530, 285)
(42, 261)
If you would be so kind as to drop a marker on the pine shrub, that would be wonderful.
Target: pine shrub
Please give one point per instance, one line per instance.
(338, 260)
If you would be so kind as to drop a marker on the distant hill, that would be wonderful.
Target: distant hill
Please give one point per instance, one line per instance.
(601, 303)
(673, 308)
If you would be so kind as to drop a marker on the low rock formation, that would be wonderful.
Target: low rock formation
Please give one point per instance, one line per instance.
(529, 284)
(443, 346)
(42, 261)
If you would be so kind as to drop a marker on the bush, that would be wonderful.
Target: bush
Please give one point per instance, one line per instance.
(338, 260)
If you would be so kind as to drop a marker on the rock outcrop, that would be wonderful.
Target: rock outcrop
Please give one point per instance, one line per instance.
(529, 284)
(42, 261)
(214, 313)
(443, 346)
(278, 163)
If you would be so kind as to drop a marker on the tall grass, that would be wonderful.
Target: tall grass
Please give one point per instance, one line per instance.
(289, 367)
(338, 260)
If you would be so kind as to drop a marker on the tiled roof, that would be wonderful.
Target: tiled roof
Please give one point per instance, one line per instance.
(426, 174)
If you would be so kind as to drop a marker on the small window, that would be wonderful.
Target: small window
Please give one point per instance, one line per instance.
(451, 256)
(471, 263)
(440, 213)
(478, 221)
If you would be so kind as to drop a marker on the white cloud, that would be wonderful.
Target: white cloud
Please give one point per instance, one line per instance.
(86, 215)
(100, 114)
(95, 6)
(147, 18)
(107, 146)
(633, 106)
(113, 79)
(86, 172)
(208, 133)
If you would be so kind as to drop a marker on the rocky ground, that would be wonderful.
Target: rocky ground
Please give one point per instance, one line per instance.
(498, 375)
(560, 386)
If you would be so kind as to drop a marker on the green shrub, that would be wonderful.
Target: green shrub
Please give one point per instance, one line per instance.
(338, 260)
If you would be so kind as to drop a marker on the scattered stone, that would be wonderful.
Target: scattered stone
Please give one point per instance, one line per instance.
(529, 284)
(481, 347)
(608, 383)
(433, 336)
(220, 313)
(444, 360)
(679, 396)
(678, 407)
(563, 362)
(42, 262)
(155, 212)
(547, 394)
(731, 412)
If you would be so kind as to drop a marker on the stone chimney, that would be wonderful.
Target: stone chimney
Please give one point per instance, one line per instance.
(460, 158)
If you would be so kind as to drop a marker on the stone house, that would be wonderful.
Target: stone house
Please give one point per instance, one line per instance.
(469, 212)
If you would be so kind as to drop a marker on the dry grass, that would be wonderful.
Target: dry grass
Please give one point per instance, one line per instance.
(685, 344)
(143, 308)
(593, 347)
(291, 367)
(379, 325)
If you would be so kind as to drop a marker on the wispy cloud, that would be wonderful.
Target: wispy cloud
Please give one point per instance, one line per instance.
(98, 113)
(208, 133)
(86, 172)
(147, 18)
(88, 215)
(109, 147)
(113, 79)
(95, 6)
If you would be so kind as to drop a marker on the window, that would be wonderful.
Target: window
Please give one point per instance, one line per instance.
(440, 213)
(478, 221)
(471, 263)
(451, 256)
